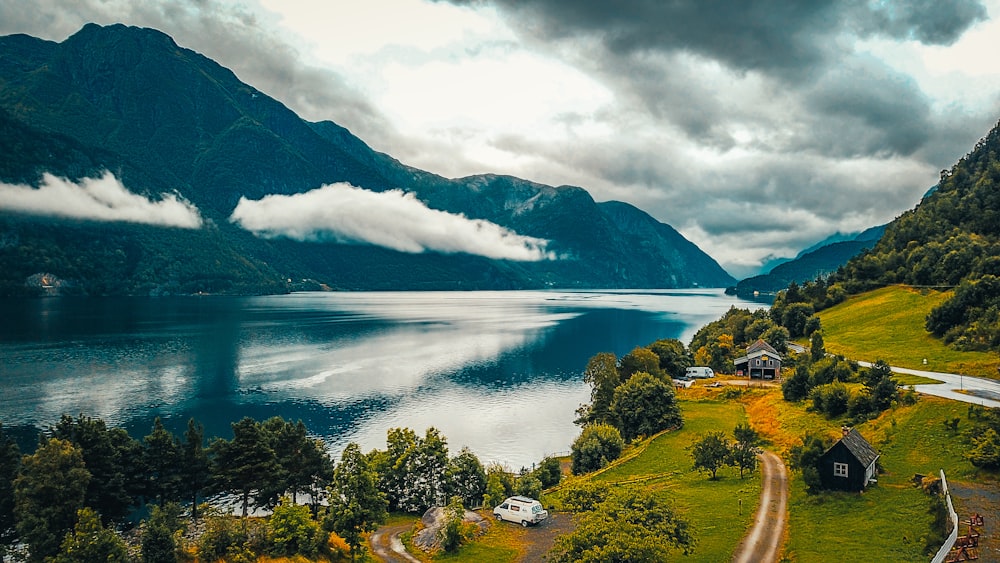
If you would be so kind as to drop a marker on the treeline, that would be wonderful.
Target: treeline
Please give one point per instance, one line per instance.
(71, 499)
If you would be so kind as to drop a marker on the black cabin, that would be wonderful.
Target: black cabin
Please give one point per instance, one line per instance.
(849, 464)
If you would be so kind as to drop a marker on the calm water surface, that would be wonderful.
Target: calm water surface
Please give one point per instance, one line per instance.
(496, 371)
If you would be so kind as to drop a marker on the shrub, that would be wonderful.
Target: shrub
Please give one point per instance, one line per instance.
(597, 445)
(292, 531)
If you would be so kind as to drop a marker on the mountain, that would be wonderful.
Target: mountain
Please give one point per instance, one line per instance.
(818, 260)
(167, 120)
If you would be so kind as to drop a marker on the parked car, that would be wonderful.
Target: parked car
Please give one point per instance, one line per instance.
(522, 510)
(698, 372)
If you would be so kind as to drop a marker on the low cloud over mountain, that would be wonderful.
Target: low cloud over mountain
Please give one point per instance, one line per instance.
(396, 220)
(97, 199)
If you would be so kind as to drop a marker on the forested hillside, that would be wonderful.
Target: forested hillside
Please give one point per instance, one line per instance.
(950, 241)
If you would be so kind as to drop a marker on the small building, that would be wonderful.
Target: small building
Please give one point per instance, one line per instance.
(849, 464)
(761, 362)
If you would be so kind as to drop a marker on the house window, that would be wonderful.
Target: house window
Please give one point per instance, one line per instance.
(839, 469)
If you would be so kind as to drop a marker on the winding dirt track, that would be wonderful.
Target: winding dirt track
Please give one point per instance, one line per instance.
(763, 543)
(387, 546)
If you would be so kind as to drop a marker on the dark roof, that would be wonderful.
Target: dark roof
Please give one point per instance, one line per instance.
(761, 345)
(859, 447)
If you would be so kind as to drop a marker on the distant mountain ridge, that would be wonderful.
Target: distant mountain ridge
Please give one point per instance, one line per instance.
(165, 119)
(821, 259)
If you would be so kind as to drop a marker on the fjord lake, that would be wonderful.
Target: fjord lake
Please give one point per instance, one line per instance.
(499, 372)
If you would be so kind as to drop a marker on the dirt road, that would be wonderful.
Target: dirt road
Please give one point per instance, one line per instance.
(387, 546)
(763, 543)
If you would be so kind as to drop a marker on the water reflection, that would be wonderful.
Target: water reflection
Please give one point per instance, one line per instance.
(497, 371)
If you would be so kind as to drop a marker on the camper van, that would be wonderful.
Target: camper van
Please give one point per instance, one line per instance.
(521, 510)
(698, 373)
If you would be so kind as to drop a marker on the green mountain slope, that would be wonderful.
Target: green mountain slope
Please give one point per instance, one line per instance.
(165, 119)
(951, 239)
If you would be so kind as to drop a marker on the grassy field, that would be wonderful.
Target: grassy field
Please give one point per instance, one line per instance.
(720, 511)
(888, 324)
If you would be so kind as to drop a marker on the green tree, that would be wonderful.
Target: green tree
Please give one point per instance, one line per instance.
(466, 477)
(195, 472)
(163, 464)
(453, 533)
(292, 531)
(629, 526)
(602, 375)
(746, 448)
(112, 458)
(596, 446)
(90, 541)
(639, 360)
(357, 505)
(50, 488)
(391, 465)
(10, 463)
(499, 486)
(817, 349)
(805, 458)
(674, 358)
(246, 465)
(157, 541)
(305, 467)
(796, 387)
(831, 399)
(549, 472)
(710, 452)
(645, 405)
(880, 385)
(528, 485)
(794, 318)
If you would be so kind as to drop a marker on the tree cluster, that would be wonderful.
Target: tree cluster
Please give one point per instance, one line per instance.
(713, 451)
(823, 382)
(635, 394)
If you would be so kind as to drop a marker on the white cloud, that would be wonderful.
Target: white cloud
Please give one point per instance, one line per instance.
(393, 219)
(97, 199)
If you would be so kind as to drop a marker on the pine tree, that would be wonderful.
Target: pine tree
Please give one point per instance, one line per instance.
(246, 465)
(195, 471)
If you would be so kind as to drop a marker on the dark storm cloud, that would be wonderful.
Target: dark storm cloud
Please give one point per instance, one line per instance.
(763, 35)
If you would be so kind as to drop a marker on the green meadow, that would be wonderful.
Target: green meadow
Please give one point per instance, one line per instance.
(888, 324)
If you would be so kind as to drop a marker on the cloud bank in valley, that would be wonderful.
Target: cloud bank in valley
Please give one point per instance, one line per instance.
(97, 199)
(394, 219)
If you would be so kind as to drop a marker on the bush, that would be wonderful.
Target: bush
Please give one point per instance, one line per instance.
(597, 446)
(549, 472)
(585, 495)
(292, 531)
(831, 399)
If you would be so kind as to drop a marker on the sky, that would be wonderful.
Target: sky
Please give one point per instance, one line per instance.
(754, 128)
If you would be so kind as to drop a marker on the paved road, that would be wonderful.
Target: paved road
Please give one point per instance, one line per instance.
(763, 542)
(965, 388)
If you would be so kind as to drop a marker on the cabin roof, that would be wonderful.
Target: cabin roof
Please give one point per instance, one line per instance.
(859, 447)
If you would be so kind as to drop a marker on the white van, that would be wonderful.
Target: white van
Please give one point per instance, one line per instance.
(698, 372)
(522, 510)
